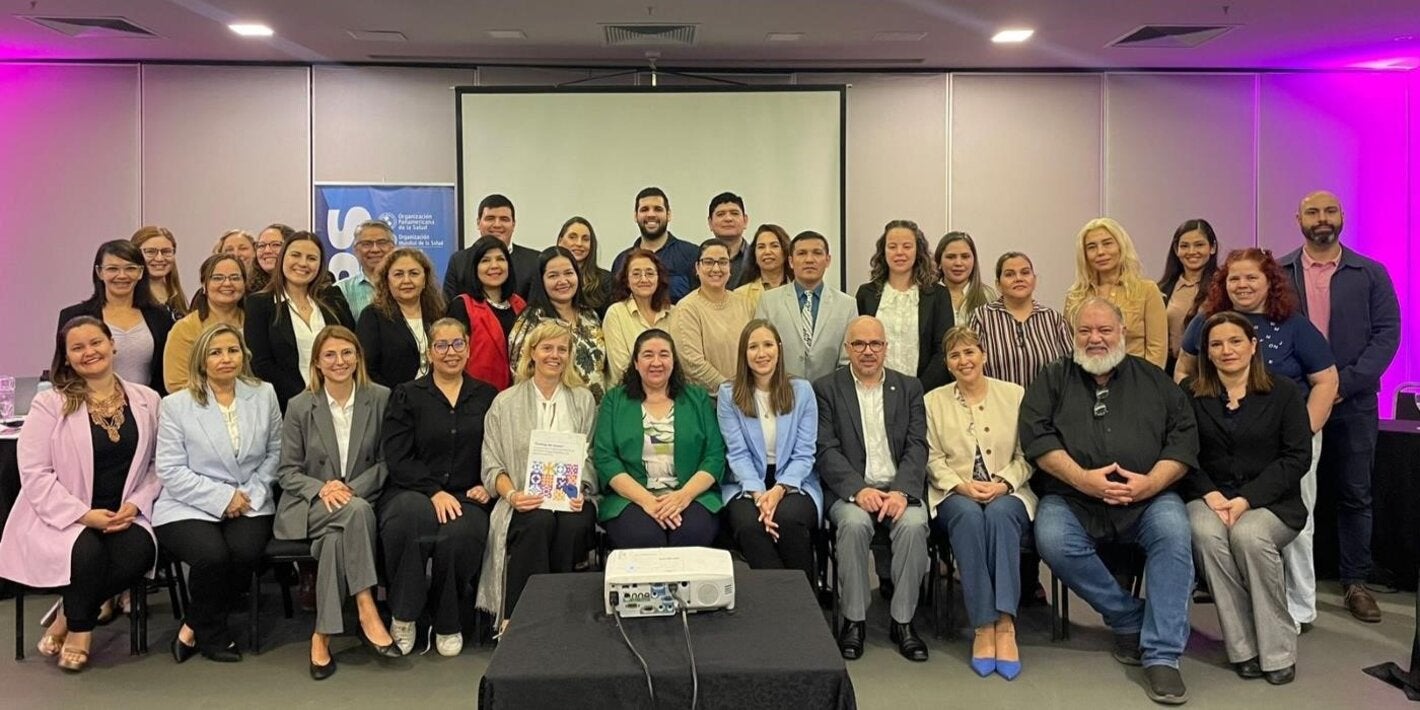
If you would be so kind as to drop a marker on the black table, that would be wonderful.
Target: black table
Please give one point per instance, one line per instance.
(1395, 492)
(9, 491)
(773, 651)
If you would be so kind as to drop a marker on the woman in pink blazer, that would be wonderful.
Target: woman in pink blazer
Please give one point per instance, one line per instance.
(87, 489)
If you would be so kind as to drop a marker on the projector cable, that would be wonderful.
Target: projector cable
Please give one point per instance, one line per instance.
(650, 686)
(694, 674)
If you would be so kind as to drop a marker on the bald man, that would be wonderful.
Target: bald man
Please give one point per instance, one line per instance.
(872, 459)
(1351, 300)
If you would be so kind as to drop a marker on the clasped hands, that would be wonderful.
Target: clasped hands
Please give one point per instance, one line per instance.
(1230, 510)
(982, 492)
(1134, 487)
(107, 521)
(768, 502)
(666, 509)
(882, 503)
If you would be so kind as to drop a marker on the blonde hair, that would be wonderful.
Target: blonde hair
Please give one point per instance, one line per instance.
(177, 300)
(544, 331)
(336, 332)
(222, 240)
(1131, 272)
(197, 361)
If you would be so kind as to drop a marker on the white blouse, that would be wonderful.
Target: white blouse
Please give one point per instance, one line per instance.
(305, 337)
(342, 417)
(233, 422)
(898, 312)
(768, 425)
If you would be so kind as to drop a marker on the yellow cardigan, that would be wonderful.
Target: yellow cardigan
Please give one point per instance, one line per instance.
(952, 441)
(1146, 322)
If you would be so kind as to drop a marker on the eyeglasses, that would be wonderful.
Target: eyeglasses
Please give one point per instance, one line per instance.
(714, 263)
(268, 246)
(155, 251)
(859, 346)
(112, 270)
(639, 275)
(231, 279)
(368, 244)
(1101, 395)
(337, 355)
(441, 347)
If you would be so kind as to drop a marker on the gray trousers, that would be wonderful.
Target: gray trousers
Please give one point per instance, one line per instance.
(909, 558)
(1243, 566)
(343, 543)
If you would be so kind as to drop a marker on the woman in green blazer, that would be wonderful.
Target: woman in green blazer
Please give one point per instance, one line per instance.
(658, 453)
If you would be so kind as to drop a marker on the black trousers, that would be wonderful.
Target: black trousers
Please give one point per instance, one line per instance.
(634, 528)
(797, 517)
(411, 535)
(543, 541)
(221, 557)
(100, 566)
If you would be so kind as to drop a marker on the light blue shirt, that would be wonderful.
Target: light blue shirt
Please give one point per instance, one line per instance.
(359, 292)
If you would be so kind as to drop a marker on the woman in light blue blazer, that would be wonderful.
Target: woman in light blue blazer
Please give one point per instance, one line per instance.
(773, 499)
(219, 443)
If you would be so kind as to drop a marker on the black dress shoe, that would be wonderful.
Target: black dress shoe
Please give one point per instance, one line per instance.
(1249, 669)
(850, 639)
(389, 650)
(230, 654)
(1281, 677)
(908, 643)
(323, 672)
(182, 651)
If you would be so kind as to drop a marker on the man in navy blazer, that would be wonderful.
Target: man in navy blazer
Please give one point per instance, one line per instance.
(872, 458)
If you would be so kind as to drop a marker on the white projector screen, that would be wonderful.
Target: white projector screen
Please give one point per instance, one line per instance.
(587, 151)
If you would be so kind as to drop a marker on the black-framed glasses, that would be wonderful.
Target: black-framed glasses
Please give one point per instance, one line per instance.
(441, 347)
(715, 263)
(1101, 394)
(859, 346)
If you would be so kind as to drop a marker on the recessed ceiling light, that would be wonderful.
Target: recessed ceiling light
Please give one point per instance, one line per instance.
(251, 30)
(784, 36)
(507, 34)
(1009, 36)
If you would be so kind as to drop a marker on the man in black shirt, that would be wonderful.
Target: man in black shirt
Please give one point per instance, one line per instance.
(496, 218)
(1115, 435)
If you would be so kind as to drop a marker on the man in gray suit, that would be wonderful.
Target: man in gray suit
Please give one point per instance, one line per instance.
(810, 316)
(872, 455)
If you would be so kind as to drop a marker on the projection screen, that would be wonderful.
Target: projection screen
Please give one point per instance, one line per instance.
(560, 152)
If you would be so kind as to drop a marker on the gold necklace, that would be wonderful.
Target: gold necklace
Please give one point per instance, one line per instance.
(108, 412)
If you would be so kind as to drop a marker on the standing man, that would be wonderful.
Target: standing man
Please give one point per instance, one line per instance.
(653, 218)
(1351, 300)
(811, 316)
(727, 220)
(872, 457)
(496, 218)
(374, 240)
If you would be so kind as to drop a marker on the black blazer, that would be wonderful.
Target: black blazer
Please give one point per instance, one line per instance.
(842, 453)
(272, 340)
(391, 354)
(1264, 456)
(159, 320)
(431, 447)
(934, 319)
(462, 274)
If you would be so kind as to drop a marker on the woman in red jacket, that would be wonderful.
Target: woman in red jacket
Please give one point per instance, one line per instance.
(489, 313)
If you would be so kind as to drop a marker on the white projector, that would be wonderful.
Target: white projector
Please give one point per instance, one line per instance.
(658, 581)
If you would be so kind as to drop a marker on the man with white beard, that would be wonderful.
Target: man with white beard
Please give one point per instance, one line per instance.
(1115, 435)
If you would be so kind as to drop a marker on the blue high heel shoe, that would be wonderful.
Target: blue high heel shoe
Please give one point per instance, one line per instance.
(1009, 670)
(985, 666)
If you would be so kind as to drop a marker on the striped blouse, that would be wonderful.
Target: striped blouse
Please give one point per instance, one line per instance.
(1016, 351)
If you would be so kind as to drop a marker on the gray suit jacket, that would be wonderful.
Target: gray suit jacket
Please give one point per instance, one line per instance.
(842, 453)
(309, 455)
(826, 354)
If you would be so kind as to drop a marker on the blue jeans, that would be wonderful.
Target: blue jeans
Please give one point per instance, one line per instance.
(986, 541)
(1163, 531)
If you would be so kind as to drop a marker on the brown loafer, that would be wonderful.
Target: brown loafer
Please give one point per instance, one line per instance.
(1361, 604)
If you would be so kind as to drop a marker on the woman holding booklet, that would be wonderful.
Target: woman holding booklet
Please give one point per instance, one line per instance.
(529, 532)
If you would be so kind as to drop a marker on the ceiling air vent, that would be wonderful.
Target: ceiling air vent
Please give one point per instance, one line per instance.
(90, 27)
(1172, 36)
(649, 35)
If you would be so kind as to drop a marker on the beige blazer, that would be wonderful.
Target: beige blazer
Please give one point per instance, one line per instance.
(952, 441)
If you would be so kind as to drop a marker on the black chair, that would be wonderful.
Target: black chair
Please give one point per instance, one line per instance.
(880, 545)
(942, 608)
(1125, 561)
(137, 618)
(278, 552)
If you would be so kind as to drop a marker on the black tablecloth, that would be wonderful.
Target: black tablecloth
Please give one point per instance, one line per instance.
(773, 651)
(9, 491)
(1395, 490)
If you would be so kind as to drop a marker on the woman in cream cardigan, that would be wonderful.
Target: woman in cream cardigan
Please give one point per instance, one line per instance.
(977, 487)
(524, 539)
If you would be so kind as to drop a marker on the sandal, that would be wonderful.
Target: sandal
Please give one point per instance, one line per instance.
(73, 659)
(50, 645)
(106, 614)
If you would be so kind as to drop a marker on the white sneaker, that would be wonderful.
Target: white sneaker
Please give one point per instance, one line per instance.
(403, 634)
(450, 645)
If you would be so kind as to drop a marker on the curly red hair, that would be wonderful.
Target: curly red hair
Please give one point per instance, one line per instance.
(1281, 302)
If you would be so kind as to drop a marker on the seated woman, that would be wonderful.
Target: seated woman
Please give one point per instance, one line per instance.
(123, 301)
(282, 320)
(86, 489)
(394, 330)
(330, 488)
(770, 425)
(658, 453)
(977, 486)
(219, 443)
(524, 538)
(434, 506)
(557, 295)
(224, 288)
(489, 312)
(708, 321)
(1254, 447)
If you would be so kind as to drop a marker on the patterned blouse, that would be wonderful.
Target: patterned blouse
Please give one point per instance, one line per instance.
(588, 346)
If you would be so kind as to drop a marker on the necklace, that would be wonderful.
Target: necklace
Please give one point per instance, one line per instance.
(500, 306)
(108, 412)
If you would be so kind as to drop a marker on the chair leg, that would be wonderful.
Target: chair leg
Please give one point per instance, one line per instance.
(184, 599)
(253, 614)
(19, 621)
(286, 606)
(142, 606)
(172, 572)
(134, 595)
